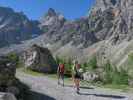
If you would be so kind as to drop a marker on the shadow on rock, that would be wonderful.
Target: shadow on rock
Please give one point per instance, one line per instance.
(104, 95)
(30, 95)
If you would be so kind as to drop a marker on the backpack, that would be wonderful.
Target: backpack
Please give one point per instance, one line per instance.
(76, 70)
(61, 68)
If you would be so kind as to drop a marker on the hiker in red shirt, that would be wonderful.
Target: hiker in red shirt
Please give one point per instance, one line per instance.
(60, 73)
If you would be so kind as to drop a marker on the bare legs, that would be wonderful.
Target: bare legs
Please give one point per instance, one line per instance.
(76, 84)
(61, 76)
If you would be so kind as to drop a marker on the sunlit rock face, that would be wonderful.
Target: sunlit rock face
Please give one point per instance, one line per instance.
(57, 29)
(107, 31)
(39, 59)
(108, 19)
(15, 27)
(113, 19)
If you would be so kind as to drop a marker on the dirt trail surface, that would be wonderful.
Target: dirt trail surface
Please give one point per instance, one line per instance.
(45, 88)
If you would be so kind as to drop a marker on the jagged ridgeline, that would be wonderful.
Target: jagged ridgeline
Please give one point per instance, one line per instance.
(15, 27)
(106, 33)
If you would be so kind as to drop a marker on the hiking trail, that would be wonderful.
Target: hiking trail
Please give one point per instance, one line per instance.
(45, 88)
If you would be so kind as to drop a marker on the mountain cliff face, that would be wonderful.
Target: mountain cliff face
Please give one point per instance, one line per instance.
(58, 29)
(106, 32)
(112, 23)
(108, 20)
(112, 19)
(15, 27)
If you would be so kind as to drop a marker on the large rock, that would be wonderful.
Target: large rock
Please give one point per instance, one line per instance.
(90, 76)
(39, 59)
(7, 73)
(8, 82)
(112, 19)
(7, 96)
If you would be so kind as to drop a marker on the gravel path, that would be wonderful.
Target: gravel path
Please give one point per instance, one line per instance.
(45, 88)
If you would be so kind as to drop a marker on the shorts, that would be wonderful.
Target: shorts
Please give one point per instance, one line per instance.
(61, 75)
(77, 76)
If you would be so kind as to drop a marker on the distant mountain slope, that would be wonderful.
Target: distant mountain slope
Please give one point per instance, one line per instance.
(61, 30)
(15, 27)
(107, 32)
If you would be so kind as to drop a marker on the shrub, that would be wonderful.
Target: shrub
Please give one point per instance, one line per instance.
(91, 65)
(130, 61)
(85, 67)
(113, 76)
(13, 57)
(68, 68)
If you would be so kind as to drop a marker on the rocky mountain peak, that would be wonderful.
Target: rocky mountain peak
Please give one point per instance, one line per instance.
(5, 9)
(15, 27)
(51, 12)
(52, 18)
(104, 4)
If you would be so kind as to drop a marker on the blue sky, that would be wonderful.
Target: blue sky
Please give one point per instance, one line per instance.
(35, 9)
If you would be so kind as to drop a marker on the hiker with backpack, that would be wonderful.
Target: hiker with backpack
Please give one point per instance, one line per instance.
(76, 75)
(60, 73)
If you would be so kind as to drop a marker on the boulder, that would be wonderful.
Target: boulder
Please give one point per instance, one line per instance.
(8, 82)
(7, 96)
(39, 59)
(7, 73)
(90, 76)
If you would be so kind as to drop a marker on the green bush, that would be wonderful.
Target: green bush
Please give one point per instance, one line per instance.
(113, 76)
(13, 57)
(85, 67)
(130, 61)
(68, 68)
(91, 65)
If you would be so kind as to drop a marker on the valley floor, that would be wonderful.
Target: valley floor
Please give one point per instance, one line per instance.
(45, 88)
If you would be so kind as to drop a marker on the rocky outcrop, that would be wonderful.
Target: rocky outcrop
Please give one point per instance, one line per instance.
(112, 19)
(58, 29)
(15, 27)
(106, 32)
(8, 82)
(108, 20)
(7, 96)
(90, 76)
(7, 73)
(39, 59)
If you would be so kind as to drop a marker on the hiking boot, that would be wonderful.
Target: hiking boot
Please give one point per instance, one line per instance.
(77, 91)
(58, 83)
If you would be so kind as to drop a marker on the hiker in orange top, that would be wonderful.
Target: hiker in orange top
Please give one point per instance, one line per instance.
(60, 73)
